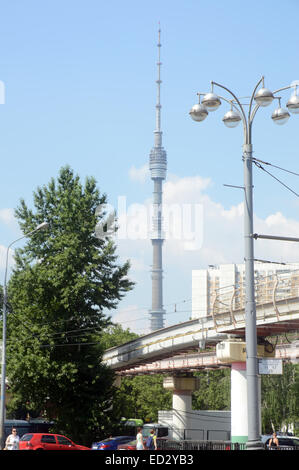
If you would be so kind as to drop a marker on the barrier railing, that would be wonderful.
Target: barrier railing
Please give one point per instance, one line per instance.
(170, 445)
(199, 445)
(227, 304)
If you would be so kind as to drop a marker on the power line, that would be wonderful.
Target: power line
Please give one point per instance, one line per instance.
(66, 344)
(274, 166)
(256, 162)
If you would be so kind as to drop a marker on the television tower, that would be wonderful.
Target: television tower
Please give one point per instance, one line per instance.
(158, 167)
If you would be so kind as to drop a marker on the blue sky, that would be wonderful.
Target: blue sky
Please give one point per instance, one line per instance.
(80, 90)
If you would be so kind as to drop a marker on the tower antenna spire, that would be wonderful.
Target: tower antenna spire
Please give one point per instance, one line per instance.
(158, 167)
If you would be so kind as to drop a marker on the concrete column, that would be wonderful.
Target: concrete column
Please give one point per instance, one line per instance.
(182, 388)
(239, 411)
(239, 415)
(182, 408)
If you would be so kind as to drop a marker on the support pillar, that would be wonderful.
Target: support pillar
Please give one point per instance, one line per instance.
(182, 407)
(239, 411)
(239, 414)
(182, 388)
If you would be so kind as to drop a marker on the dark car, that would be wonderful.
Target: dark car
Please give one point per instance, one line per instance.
(131, 445)
(111, 443)
(285, 442)
(47, 441)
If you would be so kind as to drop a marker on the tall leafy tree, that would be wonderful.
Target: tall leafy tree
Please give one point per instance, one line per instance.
(280, 399)
(64, 280)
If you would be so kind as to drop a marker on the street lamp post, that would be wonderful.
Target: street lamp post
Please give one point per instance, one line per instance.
(260, 97)
(42, 226)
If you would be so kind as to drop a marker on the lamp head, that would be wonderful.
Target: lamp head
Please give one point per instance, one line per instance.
(211, 101)
(293, 104)
(264, 97)
(231, 118)
(42, 226)
(198, 112)
(280, 116)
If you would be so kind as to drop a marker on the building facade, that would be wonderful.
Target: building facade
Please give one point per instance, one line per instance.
(218, 288)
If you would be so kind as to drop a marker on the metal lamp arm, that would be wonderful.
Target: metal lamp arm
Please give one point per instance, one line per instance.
(251, 116)
(237, 109)
(257, 106)
(6, 263)
(234, 96)
(7, 252)
(284, 88)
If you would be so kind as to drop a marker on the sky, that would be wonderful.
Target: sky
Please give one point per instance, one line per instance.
(78, 87)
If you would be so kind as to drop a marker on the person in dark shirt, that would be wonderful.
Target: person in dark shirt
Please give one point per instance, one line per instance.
(273, 443)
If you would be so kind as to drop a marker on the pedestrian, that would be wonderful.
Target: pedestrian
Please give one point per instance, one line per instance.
(12, 441)
(139, 440)
(151, 442)
(273, 443)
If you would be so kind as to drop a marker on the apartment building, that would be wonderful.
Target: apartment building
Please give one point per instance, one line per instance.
(220, 287)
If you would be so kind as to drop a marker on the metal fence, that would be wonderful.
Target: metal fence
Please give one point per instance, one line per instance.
(164, 444)
(199, 445)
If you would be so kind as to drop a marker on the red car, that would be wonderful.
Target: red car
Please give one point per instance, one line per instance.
(46, 441)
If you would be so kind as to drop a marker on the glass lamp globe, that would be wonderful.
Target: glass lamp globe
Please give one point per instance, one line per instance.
(293, 104)
(211, 101)
(280, 116)
(264, 97)
(231, 118)
(198, 112)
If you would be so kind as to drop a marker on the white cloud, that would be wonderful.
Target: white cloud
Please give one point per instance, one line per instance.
(281, 251)
(184, 190)
(139, 174)
(233, 212)
(7, 216)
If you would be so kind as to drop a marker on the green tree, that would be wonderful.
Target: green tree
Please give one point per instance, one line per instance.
(280, 398)
(63, 282)
(115, 335)
(142, 397)
(214, 390)
(136, 397)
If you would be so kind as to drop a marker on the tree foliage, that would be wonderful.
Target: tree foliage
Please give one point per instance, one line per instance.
(280, 399)
(214, 390)
(142, 397)
(64, 280)
(115, 335)
(136, 397)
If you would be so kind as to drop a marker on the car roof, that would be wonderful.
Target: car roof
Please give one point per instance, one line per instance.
(45, 434)
(154, 425)
(115, 437)
(279, 437)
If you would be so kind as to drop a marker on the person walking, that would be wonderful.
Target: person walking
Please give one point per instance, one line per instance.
(12, 441)
(151, 442)
(139, 440)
